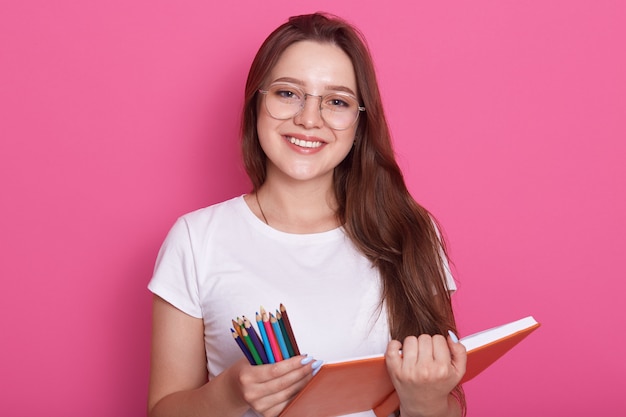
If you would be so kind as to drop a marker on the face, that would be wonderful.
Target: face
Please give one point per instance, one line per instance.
(304, 147)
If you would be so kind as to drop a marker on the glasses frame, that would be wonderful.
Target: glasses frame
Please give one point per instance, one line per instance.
(305, 95)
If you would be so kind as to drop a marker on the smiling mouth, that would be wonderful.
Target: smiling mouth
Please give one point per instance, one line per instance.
(304, 143)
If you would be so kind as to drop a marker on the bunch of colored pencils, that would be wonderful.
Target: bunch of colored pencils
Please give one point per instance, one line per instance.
(274, 341)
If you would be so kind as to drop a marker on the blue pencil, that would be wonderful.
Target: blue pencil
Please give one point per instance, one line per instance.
(243, 347)
(266, 341)
(283, 329)
(279, 337)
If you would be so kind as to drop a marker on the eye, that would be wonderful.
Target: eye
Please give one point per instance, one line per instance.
(286, 93)
(339, 102)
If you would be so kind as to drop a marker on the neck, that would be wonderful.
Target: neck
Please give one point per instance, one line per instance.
(297, 208)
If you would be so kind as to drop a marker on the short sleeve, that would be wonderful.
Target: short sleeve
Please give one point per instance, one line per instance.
(175, 278)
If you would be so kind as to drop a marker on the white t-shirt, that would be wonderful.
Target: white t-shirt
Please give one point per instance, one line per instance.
(221, 262)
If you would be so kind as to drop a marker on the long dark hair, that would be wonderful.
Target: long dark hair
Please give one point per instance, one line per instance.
(378, 213)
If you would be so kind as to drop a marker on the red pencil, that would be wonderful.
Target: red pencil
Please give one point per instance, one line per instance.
(271, 336)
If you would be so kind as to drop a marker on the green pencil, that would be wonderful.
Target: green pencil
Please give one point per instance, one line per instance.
(283, 330)
(250, 345)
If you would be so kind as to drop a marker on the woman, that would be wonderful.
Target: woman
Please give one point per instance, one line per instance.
(329, 230)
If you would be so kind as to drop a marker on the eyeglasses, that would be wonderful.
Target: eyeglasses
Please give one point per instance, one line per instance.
(284, 101)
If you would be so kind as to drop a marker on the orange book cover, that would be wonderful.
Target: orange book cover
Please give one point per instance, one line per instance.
(362, 384)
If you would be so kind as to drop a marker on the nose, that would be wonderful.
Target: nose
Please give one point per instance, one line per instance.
(310, 115)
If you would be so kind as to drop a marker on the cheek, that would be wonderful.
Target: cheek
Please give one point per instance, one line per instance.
(347, 137)
(262, 119)
(347, 143)
(263, 125)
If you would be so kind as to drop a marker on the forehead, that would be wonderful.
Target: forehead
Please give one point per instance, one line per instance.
(315, 65)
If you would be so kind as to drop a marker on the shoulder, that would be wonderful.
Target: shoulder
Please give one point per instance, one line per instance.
(207, 220)
(225, 209)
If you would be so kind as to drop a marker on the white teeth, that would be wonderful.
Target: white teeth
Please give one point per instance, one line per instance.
(305, 143)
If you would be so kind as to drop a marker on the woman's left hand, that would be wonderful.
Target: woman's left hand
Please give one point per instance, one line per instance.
(425, 372)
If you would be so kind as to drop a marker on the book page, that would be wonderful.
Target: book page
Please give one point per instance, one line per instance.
(490, 335)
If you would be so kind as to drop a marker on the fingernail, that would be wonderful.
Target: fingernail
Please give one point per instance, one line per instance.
(306, 360)
(454, 338)
(317, 365)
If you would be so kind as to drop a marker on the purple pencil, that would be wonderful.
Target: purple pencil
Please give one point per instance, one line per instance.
(243, 347)
(255, 340)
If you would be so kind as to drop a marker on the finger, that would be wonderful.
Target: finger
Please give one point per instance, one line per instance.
(279, 369)
(297, 371)
(265, 395)
(410, 351)
(425, 348)
(441, 350)
(393, 355)
(458, 354)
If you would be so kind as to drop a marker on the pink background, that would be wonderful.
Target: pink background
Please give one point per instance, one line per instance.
(116, 117)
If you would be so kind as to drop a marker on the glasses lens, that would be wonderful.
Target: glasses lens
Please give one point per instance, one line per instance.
(284, 101)
(339, 110)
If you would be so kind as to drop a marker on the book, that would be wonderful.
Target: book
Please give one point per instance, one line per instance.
(362, 384)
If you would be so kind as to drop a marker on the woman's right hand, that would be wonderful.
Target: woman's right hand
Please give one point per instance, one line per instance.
(267, 389)
(179, 383)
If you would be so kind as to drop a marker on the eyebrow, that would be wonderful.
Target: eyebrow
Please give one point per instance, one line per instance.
(328, 87)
